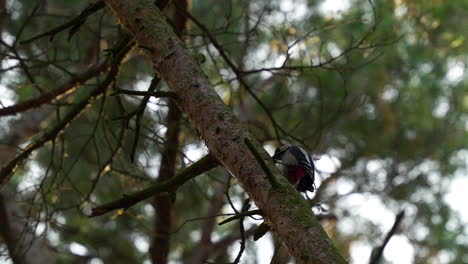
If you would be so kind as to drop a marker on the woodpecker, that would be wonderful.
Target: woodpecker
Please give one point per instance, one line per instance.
(298, 168)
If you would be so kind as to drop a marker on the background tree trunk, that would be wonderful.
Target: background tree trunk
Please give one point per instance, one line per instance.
(23, 245)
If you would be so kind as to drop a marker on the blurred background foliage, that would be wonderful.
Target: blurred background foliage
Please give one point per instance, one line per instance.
(377, 92)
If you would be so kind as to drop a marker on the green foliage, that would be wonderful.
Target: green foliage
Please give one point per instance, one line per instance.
(366, 88)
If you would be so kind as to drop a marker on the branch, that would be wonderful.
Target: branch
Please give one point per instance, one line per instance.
(376, 255)
(227, 241)
(241, 215)
(245, 208)
(260, 160)
(146, 93)
(203, 165)
(139, 115)
(204, 246)
(23, 245)
(236, 71)
(75, 23)
(65, 88)
(261, 230)
(224, 134)
(76, 110)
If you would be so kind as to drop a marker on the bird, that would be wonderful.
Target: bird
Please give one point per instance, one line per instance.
(298, 166)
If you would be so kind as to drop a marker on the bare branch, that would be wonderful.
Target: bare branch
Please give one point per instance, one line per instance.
(376, 255)
(76, 110)
(146, 93)
(56, 93)
(203, 165)
(270, 176)
(241, 215)
(75, 23)
(23, 245)
(139, 115)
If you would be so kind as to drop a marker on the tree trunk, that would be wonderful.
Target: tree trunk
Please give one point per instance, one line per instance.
(224, 135)
(163, 205)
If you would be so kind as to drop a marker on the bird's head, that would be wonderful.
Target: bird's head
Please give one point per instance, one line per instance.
(280, 151)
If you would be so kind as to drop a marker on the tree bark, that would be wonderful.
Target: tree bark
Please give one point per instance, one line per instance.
(224, 135)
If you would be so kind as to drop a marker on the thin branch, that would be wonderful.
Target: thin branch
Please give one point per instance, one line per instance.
(76, 110)
(106, 167)
(270, 176)
(236, 71)
(226, 241)
(75, 23)
(139, 112)
(245, 208)
(146, 93)
(261, 230)
(24, 67)
(203, 249)
(65, 88)
(375, 257)
(241, 215)
(203, 165)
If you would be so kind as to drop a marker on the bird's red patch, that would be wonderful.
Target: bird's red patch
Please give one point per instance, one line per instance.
(294, 174)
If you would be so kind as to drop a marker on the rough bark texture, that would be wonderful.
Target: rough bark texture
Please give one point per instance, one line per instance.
(224, 135)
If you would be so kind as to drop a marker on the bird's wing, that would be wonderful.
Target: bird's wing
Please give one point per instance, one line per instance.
(307, 164)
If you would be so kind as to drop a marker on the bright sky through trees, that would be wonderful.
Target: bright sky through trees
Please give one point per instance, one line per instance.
(375, 91)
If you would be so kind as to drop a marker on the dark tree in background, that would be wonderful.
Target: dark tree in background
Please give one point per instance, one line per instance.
(93, 123)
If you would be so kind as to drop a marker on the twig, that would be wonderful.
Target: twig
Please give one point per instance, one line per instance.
(241, 215)
(223, 243)
(55, 94)
(377, 254)
(139, 113)
(106, 167)
(169, 94)
(236, 71)
(261, 230)
(76, 110)
(75, 23)
(198, 219)
(245, 208)
(170, 185)
(270, 176)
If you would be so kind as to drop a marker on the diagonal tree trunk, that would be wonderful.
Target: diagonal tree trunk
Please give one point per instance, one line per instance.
(224, 135)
